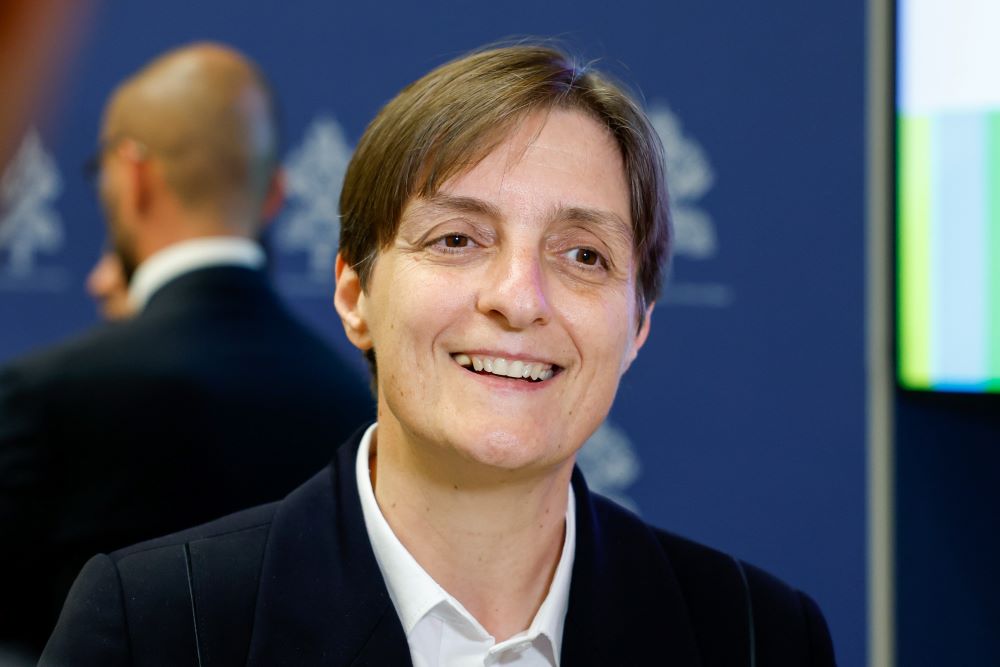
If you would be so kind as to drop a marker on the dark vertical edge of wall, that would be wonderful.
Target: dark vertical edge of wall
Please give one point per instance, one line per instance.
(881, 547)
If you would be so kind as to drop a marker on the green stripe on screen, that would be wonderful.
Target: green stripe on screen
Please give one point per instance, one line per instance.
(914, 253)
(993, 260)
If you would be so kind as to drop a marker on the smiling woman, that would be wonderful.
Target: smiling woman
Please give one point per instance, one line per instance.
(523, 261)
(504, 230)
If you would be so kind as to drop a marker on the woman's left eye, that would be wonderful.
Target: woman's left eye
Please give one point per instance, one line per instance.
(585, 256)
(452, 242)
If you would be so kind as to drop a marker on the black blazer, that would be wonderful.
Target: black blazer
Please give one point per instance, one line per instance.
(214, 399)
(296, 583)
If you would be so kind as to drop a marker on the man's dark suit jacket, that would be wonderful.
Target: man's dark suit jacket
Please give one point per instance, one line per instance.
(296, 583)
(212, 400)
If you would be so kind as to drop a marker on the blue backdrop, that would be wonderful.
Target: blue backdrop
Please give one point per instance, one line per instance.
(742, 423)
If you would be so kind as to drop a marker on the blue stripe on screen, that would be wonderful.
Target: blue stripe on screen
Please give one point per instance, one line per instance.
(959, 248)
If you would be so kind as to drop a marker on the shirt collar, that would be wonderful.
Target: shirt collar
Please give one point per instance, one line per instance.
(180, 258)
(414, 592)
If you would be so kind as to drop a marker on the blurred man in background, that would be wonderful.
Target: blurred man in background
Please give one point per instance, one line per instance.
(213, 396)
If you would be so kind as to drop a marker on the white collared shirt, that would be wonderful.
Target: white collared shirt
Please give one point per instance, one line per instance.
(439, 630)
(180, 258)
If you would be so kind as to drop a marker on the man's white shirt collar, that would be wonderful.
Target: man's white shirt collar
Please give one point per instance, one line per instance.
(438, 628)
(180, 258)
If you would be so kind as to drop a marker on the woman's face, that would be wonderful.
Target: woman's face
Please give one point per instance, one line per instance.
(504, 313)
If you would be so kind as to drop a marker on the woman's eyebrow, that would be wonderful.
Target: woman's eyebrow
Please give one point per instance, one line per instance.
(597, 218)
(445, 203)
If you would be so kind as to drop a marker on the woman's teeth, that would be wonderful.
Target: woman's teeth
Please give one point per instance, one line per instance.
(533, 370)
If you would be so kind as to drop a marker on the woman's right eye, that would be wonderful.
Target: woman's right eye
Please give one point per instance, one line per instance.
(452, 242)
(455, 241)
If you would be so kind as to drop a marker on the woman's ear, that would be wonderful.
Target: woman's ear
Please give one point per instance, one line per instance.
(351, 304)
(639, 339)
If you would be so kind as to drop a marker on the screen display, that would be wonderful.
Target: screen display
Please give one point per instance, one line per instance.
(948, 194)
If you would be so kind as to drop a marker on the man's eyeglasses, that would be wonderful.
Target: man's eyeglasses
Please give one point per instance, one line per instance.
(92, 165)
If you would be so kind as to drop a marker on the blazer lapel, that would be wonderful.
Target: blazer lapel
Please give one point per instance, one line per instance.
(625, 604)
(386, 645)
(322, 599)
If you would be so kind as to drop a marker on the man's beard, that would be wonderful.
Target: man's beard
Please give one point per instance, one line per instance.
(127, 258)
(122, 242)
(122, 245)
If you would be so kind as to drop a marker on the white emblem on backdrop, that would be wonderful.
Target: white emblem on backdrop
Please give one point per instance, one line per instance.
(29, 222)
(689, 178)
(610, 464)
(314, 173)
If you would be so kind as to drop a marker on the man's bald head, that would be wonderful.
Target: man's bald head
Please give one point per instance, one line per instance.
(207, 114)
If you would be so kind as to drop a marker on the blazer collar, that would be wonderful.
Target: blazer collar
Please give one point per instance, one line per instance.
(626, 606)
(235, 286)
(190, 255)
(322, 599)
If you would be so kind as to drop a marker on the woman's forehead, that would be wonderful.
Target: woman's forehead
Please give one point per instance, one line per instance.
(554, 161)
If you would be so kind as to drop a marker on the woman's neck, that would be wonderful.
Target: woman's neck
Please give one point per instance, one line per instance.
(493, 542)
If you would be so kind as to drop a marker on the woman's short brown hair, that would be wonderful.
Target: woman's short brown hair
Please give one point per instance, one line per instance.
(453, 117)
